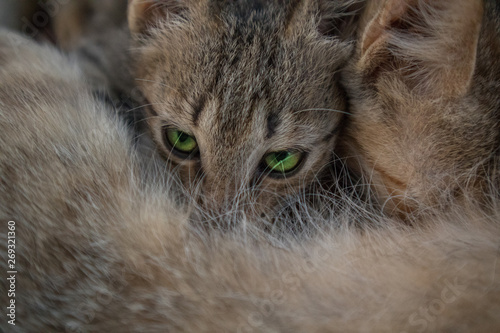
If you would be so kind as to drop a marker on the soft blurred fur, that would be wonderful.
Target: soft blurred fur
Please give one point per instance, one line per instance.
(423, 91)
(75, 20)
(96, 32)
(14, 14)
(103, 247)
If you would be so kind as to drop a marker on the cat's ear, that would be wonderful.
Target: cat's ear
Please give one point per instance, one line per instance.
(144, 14)
(431, 44)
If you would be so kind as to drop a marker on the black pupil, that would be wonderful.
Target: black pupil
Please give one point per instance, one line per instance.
(281, 156)
(183, 137)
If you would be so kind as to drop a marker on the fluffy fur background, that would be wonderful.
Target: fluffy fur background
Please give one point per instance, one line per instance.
(102, 246)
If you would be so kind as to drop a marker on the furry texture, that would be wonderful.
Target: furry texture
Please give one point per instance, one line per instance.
(102, 247)
(246, 79)
(74, 20)
(95, 32)
(423, 92)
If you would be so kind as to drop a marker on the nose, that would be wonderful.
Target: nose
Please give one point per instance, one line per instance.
(226, 201)
(218, 196)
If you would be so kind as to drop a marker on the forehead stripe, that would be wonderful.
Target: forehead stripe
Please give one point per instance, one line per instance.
(198, 108)
(332, 134)
(272, 123)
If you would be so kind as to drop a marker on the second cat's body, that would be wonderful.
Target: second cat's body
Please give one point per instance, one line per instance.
(423, 87)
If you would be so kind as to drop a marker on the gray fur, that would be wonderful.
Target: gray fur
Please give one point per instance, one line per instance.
(101, 249)
(246, 78)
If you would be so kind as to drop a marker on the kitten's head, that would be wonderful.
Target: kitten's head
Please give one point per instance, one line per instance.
(423, 88)
(244, 98)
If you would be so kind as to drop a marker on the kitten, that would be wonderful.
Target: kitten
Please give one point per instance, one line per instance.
(102, 248)
(424, 100)
(243, 96)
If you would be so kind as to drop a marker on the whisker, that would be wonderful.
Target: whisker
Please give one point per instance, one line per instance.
(321, 109)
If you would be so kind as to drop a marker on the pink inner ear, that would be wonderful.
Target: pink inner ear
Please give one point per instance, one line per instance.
(390, 12)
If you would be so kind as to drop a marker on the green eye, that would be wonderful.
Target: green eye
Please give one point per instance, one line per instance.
(181, 141)
(283, 161)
